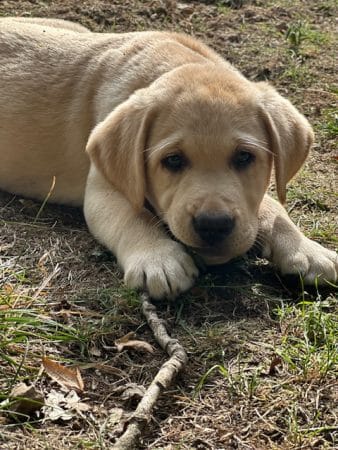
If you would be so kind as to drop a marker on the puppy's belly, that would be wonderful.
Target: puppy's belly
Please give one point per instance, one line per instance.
(38, 178)
(67, 194)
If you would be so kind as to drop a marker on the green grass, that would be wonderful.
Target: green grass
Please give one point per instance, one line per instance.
(329, 123)
(28, 328)
(240, 379)
(234, 324)
(25, 332)
(312, 207)
(297, 72)
(309, 338)
(299, 34)
(307, 348)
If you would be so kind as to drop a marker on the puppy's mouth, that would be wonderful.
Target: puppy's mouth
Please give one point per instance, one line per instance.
(211, 255)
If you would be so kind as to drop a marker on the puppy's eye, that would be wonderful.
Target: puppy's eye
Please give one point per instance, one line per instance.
(242, 159)
(175, 162)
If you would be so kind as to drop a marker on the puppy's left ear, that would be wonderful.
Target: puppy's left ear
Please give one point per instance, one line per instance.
(291, 136)
(117, 148)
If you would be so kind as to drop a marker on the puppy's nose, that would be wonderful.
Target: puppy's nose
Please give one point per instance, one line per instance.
(213, 227)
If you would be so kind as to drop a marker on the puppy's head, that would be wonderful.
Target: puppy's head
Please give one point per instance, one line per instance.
(199, 145)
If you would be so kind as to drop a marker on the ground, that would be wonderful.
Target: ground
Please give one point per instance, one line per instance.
(263, 359)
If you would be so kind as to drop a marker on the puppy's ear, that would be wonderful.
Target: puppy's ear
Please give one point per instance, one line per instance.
(117, 148)
(291, 136)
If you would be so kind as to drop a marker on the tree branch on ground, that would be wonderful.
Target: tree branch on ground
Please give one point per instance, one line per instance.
(164, 377)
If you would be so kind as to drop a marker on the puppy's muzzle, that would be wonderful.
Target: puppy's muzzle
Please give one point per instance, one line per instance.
(213, 228)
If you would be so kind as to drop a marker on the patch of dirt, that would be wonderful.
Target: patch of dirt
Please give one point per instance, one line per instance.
(229, 318)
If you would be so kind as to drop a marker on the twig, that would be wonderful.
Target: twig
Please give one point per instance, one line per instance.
(46, 199)
(178, 359)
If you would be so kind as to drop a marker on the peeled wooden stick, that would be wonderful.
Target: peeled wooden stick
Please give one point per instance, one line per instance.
(178, 359)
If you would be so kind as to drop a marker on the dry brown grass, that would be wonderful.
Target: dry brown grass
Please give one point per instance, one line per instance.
(61, 293)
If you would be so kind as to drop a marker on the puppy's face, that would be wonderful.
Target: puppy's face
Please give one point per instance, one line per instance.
(208, 166)
(199, 144)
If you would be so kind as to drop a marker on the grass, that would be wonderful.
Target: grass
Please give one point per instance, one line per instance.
(70, 332)
(310, 206)
(330, 121)
(26, 332)
(262, 370)
(29, 329)
(298, 73)
(309, 338)
(241, 381)
(300, 34)
(307, 348)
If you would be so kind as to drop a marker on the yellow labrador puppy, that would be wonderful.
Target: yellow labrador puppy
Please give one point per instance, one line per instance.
(151, 128)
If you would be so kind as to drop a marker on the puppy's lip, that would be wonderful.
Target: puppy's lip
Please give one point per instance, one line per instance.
(211, 255)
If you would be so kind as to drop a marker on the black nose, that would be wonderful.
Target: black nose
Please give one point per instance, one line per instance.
(213, 227)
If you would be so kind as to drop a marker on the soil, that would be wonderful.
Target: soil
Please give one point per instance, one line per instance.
(229, 318)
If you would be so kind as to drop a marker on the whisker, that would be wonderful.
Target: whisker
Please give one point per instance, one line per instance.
(172, 141)
(156, 221)
(256, 143)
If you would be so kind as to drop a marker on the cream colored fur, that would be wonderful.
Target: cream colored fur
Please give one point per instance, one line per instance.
(101, 112)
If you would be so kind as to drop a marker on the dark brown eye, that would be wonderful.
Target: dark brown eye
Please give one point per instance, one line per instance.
(242, 159)
(175, 162)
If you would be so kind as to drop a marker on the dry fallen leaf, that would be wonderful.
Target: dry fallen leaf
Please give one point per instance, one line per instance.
(115, 415)
(95, 351)
(59, 406)
(126, 342)
(27, 400)
(135, 345)
(66, 377)
(104, 367)
(53, 410)
(115, 422)
(133, 391)
(276, 361)
(127, 337)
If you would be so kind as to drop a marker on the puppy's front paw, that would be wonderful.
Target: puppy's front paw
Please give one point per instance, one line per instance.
(165, 270)
(309, 259)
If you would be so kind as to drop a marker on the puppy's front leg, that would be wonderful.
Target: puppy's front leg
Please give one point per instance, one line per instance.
(149, 258)
(287, 247)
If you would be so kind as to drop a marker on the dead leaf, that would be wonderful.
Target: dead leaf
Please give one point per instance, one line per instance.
(133, 391)
(95, 351)
(59, 406)
(73, 403)
(135, 345)
(126, 342)
(125, 338)
(66, 377)
(130, 391)
(52, 409)
(276, 361)
(104, 367)
(115, 415)
(27, 400)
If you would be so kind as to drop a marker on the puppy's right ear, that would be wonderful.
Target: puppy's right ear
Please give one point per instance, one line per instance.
(117, 145)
